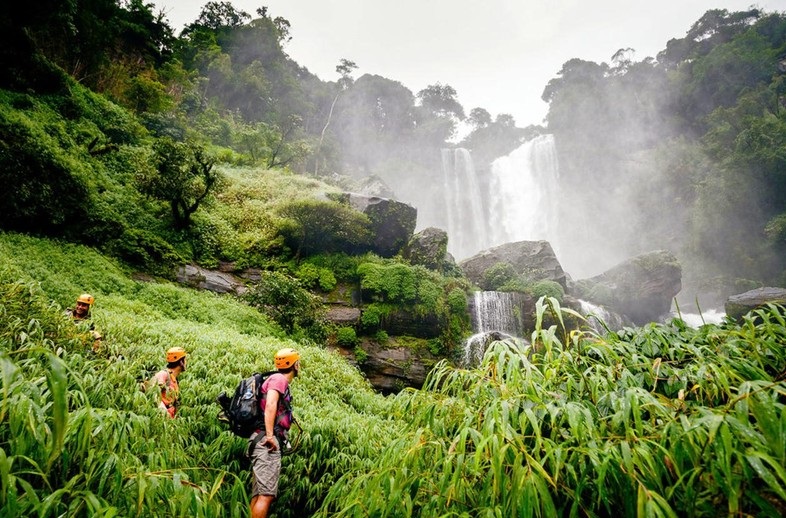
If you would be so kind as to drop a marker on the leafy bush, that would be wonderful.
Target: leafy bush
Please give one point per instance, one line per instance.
(312, 276)
(346, 337)
(496, 276)
(372, 315)
(546, 288)
(361, 356)
(316, 226)
(289, 304)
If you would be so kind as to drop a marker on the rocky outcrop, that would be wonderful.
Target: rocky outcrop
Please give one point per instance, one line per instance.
(343, 315)
(428, 248)
(392, 222)
(641, 288)
(533, 259)
(739, 305)
(211, 280)
(391, 367)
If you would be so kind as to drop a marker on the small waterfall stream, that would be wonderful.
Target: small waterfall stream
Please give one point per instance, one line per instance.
(495, 315)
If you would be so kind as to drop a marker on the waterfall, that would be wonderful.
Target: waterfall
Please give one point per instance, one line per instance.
(516, 199)
(524, 194)
(597, 314)
(464, 207)
(496, 311)
(495, 315)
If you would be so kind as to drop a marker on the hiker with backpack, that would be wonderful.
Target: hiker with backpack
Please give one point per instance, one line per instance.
(267, 441)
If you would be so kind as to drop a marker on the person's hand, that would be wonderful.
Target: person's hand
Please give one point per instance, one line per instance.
(270, 443)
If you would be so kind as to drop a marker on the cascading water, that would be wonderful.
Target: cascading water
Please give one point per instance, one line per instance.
(524, 194)
(597, 316)
(464, 206)
(516, 200)
(495, 314)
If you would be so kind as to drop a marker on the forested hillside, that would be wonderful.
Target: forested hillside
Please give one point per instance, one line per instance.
(127, 151)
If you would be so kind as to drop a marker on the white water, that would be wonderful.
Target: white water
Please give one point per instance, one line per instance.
(464, 207)
(697, 320)
(517, 200)
(496, 311)
(524, 196)
(598, 315)
(493, 312)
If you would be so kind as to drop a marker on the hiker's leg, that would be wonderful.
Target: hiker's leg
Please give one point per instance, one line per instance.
(260, 506)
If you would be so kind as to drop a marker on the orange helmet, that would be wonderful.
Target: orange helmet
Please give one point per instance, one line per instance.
(86, 298)
(174, 354)
(286, 358)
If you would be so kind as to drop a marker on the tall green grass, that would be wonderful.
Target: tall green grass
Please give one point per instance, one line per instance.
(660, 421)
(78, 437)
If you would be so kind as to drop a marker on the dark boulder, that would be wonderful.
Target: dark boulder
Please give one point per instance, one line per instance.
(641, 288)
(391, 367)
(533, 259)
(428, 248)
(739, 305)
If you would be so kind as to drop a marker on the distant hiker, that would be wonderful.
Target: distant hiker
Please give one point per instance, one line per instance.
(81, 315)
(265, 444)
(166, 380)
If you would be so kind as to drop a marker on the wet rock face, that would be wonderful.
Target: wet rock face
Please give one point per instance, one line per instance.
(738, 305)
(534, 259)
(428, 248)
(641, 288)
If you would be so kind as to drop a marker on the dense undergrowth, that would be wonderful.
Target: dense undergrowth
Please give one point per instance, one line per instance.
(78, 437)
(664, 420)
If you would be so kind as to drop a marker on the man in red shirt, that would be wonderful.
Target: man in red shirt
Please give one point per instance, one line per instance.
(266, 452)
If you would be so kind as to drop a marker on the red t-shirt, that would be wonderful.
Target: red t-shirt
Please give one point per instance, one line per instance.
(280, 384)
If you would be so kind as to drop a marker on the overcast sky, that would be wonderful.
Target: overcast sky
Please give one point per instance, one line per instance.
(497, 54)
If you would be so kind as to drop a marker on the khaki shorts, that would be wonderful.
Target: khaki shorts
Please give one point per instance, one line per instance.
(265, 470)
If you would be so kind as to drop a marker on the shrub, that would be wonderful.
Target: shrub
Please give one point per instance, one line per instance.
(283, 299)
(371, 316)
(312, 276)
(316, 226)
(496, 276)
(361, 356)
(546, 288)
(346, 337)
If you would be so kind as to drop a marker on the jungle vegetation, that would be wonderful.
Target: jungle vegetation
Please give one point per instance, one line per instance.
(126, 150)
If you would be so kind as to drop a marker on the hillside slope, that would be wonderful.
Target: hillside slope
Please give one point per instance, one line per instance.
(78, 437)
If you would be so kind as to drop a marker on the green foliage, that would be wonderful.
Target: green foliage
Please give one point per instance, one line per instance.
(346, 337)
(314, 226)
(79, 438)
(664, 420)
(183, 175)
(361, 356)
(372, 314)
(381, 336)
(496, 276)
(283, 299)
(546, 288)
(312, 276)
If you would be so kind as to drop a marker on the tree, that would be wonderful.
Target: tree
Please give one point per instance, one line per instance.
(183, 176)
(344, 68)
(479, 118)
